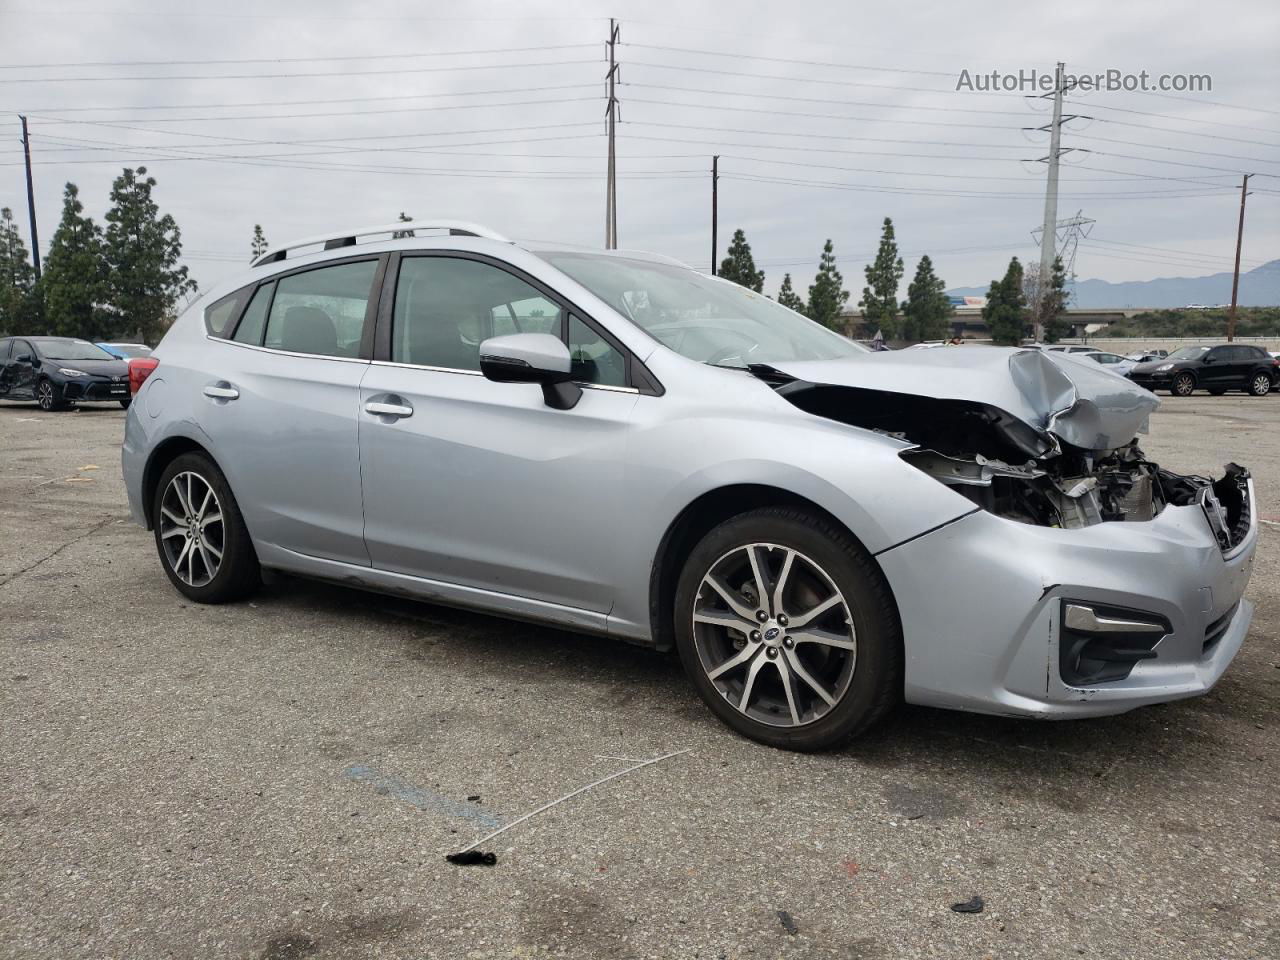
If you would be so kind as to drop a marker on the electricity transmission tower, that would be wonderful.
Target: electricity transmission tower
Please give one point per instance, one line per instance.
(611, 184)
(1065, 237)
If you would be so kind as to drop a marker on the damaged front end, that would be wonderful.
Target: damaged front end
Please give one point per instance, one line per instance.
(1033, 437)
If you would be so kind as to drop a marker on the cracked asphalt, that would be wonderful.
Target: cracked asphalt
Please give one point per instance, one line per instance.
(281, 779)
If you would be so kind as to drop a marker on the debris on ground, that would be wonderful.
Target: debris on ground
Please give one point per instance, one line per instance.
(788, 922)
(974, 905)
(474, 798)
(472, 858)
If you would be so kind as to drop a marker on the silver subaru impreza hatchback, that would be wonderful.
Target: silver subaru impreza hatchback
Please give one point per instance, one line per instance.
(614, 443)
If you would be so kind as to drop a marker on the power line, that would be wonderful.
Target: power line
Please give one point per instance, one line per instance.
(992, 195)
(293, 76)
(807, 63)
(816, 116)
(829, 82)
(366, 56)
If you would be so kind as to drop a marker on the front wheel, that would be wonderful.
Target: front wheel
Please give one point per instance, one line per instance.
(48, 396)
(787, 629)
(1183, 385)
(203, 543)
(1260, 385)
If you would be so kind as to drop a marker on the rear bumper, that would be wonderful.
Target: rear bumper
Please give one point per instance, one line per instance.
(986, 636)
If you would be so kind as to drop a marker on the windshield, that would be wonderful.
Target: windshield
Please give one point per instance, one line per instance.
(704, 319)
(1188, 353)
(71, 350)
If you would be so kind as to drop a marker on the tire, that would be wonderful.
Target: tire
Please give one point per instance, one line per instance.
(125, 403)
(189, 551)
(48, 396)
(1184, 384)
(1260, 384)
(859, 670)
(1217, 391)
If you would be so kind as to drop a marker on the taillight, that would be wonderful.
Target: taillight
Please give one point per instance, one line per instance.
(139, 369)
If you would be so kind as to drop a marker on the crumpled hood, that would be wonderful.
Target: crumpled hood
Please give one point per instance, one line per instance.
(1075, 400)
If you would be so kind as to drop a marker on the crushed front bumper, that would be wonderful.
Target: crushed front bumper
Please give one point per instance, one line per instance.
(982, 616)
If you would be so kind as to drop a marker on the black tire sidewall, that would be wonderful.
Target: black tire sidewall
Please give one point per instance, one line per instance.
(876, 684)
(238, 574)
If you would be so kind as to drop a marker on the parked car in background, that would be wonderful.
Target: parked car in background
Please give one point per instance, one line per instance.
(1227, 366)
(1142, 356)
(58, 371)
(1062, 348)
(126, 351)
(614, 443)
(1112, 361)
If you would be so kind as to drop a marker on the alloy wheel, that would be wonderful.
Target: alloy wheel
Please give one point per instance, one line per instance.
(774, 635)
(44, 395)
(192, 531)
(1261, 385)
(1184, 386)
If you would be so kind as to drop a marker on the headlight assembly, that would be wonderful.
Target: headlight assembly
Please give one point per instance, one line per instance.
(68, 372)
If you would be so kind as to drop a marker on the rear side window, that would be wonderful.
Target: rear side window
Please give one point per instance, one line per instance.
(219, 316)
(255, 316)
(321, 311)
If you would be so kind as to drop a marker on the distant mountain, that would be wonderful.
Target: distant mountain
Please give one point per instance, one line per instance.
(1259, 287)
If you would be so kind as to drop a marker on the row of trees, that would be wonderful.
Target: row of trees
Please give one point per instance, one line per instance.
(924, 315)
(99, 283)
(1022, 299)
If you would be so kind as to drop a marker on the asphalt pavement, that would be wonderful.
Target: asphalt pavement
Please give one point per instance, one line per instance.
(282, 778)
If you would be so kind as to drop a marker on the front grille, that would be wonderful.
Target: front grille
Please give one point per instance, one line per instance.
(1217, 630)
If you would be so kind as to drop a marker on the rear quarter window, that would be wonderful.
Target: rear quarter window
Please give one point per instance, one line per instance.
(220, 316)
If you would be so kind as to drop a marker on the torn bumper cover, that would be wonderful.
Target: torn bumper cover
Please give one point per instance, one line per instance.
(1092, 580)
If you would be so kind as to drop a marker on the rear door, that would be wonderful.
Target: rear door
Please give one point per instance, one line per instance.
(481, 484)
(279, 389)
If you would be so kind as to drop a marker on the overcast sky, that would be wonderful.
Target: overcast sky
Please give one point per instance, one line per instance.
(493, 112)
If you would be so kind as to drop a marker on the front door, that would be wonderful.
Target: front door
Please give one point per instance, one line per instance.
(481, 484)
(20, 372)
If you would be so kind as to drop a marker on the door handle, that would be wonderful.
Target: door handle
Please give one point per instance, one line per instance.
(221, 391)
(394, 410)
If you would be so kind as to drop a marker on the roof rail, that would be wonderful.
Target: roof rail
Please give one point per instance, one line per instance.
(347, 238)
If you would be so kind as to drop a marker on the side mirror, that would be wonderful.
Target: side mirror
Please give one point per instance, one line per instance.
(532, 358)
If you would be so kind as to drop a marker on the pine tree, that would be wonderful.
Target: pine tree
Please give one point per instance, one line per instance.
(827, 295)
(927, 309)
(259, 244)
(142, 249)
(739, 267)
(1005, 312)
(403, 234)
(19, 295)
(74, 281)
(879, 301)
(1053, 304)
(788, 297)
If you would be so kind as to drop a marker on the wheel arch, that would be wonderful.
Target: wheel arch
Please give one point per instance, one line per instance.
(163, 455)
(695, 521)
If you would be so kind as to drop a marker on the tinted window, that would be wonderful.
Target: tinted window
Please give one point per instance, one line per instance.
(255, 316)
(219, 316)
(4, 350)
(446, 306)
(1220, 354)
(1252, 353)
(594, 359)
(321, 311)
(20, 348)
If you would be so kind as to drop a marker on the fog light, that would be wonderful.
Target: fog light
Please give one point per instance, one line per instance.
(1098, 644)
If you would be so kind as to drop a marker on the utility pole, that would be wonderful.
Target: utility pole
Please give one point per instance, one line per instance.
(1235, 280)
(715, 209)
(31, 199)
(611, 186)
(1049, 234)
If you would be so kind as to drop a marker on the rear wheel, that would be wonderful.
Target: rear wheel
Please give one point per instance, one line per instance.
(1260, 385)
(1184, 384)
(787, 629)
(200, 534)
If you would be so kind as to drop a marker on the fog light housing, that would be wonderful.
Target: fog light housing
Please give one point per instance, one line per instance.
(1100, 644)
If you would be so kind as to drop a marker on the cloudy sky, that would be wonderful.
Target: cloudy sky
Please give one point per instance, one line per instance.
(310, 115)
